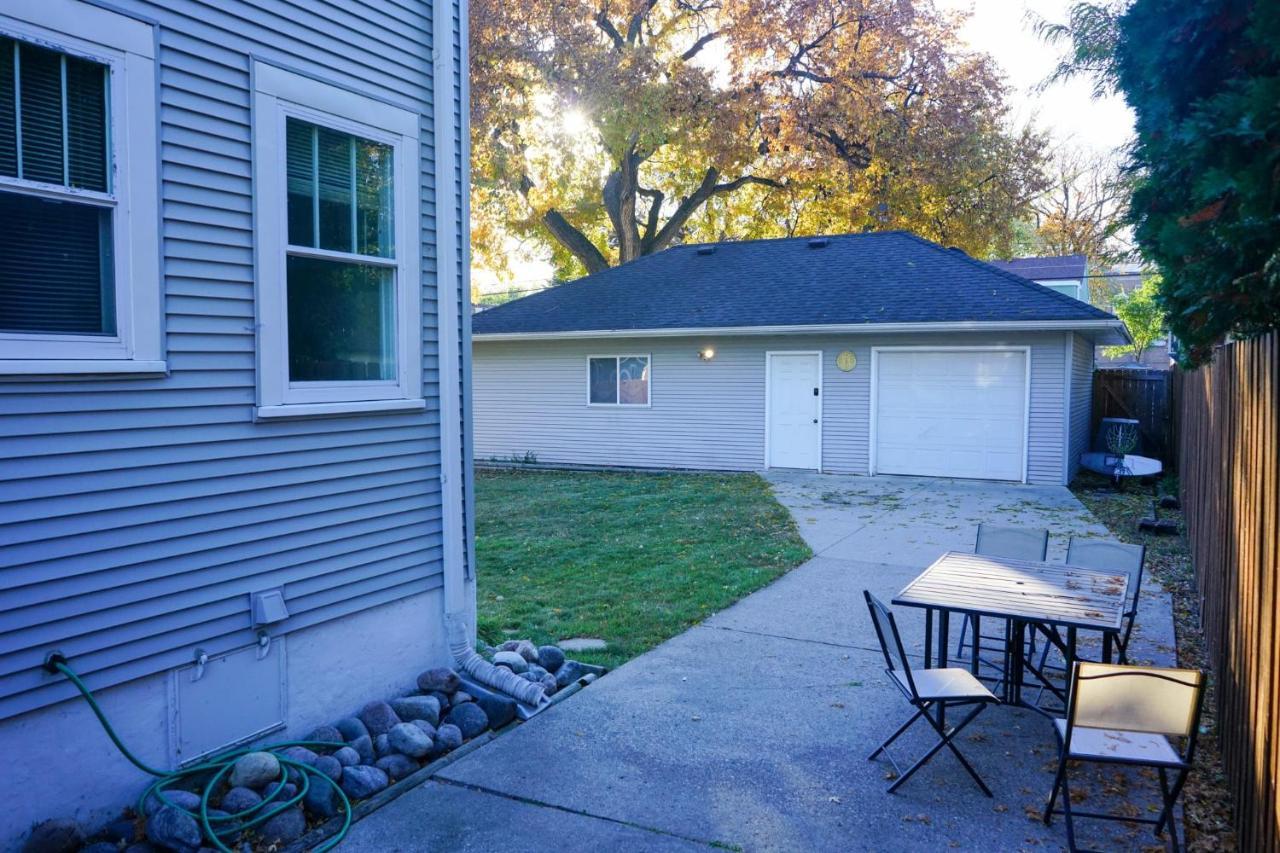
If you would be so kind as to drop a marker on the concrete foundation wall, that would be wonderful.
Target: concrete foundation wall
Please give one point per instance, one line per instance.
(63, 765)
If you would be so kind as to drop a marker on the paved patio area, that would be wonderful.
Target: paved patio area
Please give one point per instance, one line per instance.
(750, 731)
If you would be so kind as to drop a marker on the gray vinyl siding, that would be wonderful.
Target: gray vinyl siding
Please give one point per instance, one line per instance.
(530, 397)
(137, 515)
(1081, 401)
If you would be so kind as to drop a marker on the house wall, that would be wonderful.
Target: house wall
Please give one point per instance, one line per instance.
(137, 515)
(530, 396)
(1080, 350)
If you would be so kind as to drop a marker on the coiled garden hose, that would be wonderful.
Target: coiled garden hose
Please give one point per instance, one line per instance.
(217, 826)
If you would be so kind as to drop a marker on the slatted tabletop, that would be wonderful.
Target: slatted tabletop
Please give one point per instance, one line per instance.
(1050, 593)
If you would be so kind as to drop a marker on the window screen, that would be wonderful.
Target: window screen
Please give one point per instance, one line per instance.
(342, 324)
(55, 250)
(618, 380)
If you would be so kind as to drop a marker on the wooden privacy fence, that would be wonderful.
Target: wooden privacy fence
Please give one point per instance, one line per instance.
(1145, 396)
(1227, 461)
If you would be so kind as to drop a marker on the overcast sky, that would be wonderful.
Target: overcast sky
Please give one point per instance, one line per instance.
(1066, 110)
(998, 27)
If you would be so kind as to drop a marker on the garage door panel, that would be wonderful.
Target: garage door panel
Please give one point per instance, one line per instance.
(951, 413)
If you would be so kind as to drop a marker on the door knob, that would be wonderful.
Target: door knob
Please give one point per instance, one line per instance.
(815, 420)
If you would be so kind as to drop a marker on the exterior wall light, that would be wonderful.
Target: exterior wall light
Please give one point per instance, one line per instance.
(706, 353)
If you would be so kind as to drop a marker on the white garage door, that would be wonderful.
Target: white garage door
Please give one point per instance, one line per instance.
(951, 413)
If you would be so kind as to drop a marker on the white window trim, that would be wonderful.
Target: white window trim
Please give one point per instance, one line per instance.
(279, 94)
(127, 47)
(648, 403)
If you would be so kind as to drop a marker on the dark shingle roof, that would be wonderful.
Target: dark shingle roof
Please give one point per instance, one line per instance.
(1059, 267)
(884, 277)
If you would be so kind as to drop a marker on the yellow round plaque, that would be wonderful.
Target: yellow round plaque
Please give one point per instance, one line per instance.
(846, 361)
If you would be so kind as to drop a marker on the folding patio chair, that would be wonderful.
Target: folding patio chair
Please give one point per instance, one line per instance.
(1104, 555)
(1016, 543)
(929, 691)
(1126, 715)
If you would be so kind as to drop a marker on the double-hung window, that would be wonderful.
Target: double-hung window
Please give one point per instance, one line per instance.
(79, 270)
(340, 317)
(618, 380)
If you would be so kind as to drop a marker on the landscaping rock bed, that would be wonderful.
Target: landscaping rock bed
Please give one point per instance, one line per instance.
(384, 742)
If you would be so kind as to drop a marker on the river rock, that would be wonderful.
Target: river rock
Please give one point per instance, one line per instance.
(254, 769)
(322, 799)
(396, 766)
(327, 734)
(347, 756)
(364, 746)
(426, 727)
(441, 679)
(442, 698)
(448, 737)
(300, 754)
(60, 835)
(470, 719)
(570, 672)
(95, 847)
(361, 781)
(332, 767)
(184, 800)
(512, 661)
(498, 708)
(378, 718)
(285, 828)
(287, 792)
(408, 739)
(417, 708)
(550, 658)
(549, 684)
(351, 728)
(239, 799)
(174, 829)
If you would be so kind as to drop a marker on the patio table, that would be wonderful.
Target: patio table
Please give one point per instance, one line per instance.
(1053, 598)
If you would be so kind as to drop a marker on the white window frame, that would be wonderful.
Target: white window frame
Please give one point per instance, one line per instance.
(127, 47)
(279, 95)
(1060, 285)
(617, 379)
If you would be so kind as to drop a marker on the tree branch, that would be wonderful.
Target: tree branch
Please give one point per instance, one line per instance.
(567, 235)
(699, 45)
(606, 26)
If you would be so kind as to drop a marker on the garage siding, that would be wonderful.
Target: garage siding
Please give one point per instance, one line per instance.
(1081, 401)
(530, 398)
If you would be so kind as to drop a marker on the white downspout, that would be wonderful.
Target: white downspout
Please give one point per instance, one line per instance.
(458, 596)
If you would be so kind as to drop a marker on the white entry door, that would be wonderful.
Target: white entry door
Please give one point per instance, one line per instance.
(951, 413)
(794, 410)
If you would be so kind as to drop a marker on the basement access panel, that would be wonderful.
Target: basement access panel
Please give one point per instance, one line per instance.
(233, 698)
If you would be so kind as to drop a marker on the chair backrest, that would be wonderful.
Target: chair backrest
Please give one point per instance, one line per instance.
(1151, 699)
(1105, 555)
(1016, 543)
(895, 656)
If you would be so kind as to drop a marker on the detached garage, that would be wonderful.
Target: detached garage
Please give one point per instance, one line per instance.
(864, 354)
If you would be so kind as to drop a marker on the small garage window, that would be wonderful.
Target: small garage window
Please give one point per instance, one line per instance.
(618, 380)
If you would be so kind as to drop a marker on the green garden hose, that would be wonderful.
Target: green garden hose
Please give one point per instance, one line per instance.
(210, 773)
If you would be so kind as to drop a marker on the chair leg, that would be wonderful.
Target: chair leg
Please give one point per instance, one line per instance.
(1066, 809)
(1170, 800)
(1057, 783)
(964, 629)
(901, 729)
(945, 740)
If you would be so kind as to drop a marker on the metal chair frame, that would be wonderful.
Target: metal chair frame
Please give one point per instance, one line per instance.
(1130, 615)
(1179, 768)
(932, 708)
(1000, 640)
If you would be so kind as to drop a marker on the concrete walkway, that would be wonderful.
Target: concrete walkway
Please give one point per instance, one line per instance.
(751, 730)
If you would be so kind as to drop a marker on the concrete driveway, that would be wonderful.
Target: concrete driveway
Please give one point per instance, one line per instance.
(751, 730)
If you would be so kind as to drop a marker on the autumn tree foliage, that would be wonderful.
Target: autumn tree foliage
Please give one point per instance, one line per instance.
(611, 129)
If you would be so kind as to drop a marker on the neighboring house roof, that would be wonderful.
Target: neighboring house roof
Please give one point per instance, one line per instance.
(1071, 267)
(885, 278)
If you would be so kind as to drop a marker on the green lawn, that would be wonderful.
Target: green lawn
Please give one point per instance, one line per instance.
(629, 558)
